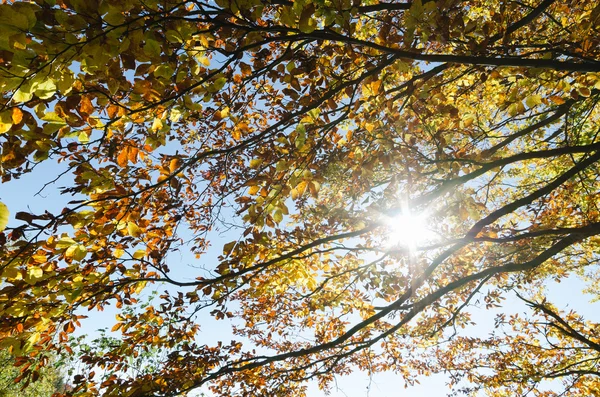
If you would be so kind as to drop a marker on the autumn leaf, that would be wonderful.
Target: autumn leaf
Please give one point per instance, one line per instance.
(133, 229)
(17, 115)
(375, 173)
(6, 121)
(45, 89)
(4, 216)
(85, 106)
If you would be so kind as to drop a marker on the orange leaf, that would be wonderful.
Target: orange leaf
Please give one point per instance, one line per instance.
(123, 157)
(174, 165)
(133, 154)
(85, 106)
(17, 115)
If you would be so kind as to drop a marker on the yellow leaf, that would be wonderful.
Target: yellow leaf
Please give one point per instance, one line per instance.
(35, 272)
(80, 252)
(139, 254)
(45, 89)
(65, 242)
(255, 163)
(157, 124)
(174, 164)
(83, 137)
(253, 190)
(369, 127)
(140, 286)
(301, 188)
(294, 193)
(76, 251)
(133, 229)
(6, 121)
(25, 92)
(516, 108)
(118, 253)
(175, 115)
(533, 100)
(468, 120)
(4, 215)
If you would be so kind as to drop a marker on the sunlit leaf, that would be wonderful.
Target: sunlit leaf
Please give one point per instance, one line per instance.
(4, 216)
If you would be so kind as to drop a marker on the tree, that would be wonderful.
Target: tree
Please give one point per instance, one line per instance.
(304, 129)
(49, 382)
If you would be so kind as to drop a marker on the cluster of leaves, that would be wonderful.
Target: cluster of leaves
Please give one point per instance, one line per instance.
(299, 127)
(50, 379)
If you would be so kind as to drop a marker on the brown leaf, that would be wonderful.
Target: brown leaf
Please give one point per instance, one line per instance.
(85, 106)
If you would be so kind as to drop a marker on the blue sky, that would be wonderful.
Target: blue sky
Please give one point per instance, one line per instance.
(24, 195)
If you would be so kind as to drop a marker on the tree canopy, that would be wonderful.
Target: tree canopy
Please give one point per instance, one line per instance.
(306, 132)
(50, 379)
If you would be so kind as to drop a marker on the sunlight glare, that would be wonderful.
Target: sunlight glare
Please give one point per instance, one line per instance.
(408, 230)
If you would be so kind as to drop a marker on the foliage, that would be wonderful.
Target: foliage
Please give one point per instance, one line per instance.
(299, 128)
(49, 382)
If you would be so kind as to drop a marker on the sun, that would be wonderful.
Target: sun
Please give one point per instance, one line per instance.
(409, 230)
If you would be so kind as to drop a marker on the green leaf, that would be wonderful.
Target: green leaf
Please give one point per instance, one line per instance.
(20, 17)
(307, 24)
(278, 216)
(54, 123)
(114, 16)
(217, 85)
(173, 36)
(301, 137)
(287, 16)
(227, 248)
(152, 48)
(164, 71)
